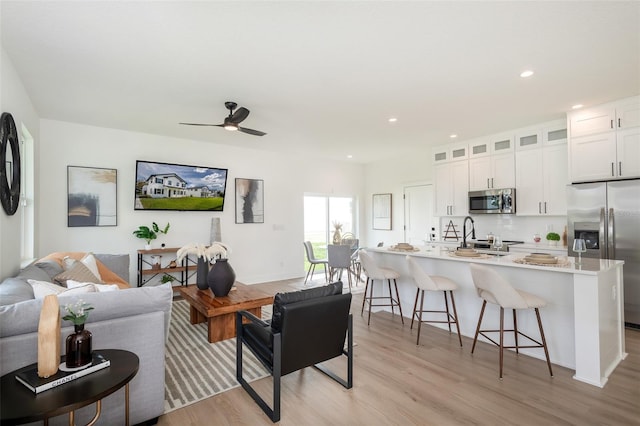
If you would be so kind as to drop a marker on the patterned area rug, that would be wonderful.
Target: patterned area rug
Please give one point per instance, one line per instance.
(197, 369)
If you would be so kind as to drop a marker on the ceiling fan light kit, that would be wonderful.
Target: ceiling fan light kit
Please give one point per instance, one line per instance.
(231, 122)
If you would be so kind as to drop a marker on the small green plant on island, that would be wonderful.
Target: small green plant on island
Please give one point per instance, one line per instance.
(552, 236)
(150, 233)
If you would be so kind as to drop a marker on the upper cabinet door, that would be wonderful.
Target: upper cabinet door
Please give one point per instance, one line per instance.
(592, 121)
(628, 153)
(628, 114)
(501, 144)
(593, 157)
(555, 133)
(528, 139)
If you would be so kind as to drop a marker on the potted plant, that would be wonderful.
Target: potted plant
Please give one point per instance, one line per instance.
(166, 278)
(553, 238)
(150, 233)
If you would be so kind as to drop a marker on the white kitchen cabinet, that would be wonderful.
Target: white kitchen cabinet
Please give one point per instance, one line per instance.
(451, 188)
(606, 156)
(451, 152)
(492, 163)
(604, 142)
(541, 179)
(622, 114)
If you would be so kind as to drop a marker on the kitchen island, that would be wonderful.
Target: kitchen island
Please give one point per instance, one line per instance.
(583, 320)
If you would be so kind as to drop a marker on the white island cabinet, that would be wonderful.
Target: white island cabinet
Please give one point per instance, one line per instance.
(583, 320)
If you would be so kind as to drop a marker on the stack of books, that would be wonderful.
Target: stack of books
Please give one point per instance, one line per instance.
(30, 378)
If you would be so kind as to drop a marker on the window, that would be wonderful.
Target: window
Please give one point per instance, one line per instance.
(320, 215)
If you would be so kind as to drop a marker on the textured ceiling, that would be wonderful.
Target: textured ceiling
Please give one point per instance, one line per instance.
(322, 78)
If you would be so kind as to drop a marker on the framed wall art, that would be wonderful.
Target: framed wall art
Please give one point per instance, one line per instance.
(91, 196)
(249, 200)
(382, 211)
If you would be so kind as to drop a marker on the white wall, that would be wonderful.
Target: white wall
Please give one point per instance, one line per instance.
(260, 252)
(15, 100)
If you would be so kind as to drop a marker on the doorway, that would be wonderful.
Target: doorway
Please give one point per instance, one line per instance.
(418, 214)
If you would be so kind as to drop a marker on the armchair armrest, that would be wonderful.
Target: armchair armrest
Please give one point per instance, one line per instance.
(254, 319)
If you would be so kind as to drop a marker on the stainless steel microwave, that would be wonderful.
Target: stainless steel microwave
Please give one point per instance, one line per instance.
(493, 201)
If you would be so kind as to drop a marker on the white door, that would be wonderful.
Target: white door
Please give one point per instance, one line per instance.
(418, 213)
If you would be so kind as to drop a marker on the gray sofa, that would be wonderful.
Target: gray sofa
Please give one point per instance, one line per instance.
(135, 319)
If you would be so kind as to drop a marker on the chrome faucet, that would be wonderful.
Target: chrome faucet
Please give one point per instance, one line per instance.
(464, 231)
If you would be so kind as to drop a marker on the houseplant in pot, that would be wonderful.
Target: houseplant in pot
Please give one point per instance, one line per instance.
(150, 233)
(553, 238)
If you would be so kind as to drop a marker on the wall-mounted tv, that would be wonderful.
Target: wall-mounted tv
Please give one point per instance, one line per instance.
(165, 186)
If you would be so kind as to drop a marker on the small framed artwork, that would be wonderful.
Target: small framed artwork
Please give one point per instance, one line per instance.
(91, 196)
(382, 211)
(249, 200)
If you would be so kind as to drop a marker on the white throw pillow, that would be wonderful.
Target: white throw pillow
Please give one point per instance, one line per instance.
(100, 288)
(89, 261)
(41, 289)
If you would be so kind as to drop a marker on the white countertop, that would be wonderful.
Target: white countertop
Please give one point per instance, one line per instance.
(587, 267)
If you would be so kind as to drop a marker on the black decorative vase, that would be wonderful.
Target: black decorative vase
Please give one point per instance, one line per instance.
(221, 278)
(201, 274)
(78, 347)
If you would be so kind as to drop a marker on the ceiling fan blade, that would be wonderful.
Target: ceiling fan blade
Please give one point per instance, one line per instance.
(202, 124)
(239, 115)
(251, 131)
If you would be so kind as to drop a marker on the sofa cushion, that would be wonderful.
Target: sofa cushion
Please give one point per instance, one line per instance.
(14, 290)
(42, 289)
(282, 299)
(35, 273)
(116, 263)
(77, 272)
(51, 267)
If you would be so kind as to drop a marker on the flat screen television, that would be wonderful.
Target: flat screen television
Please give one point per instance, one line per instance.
(166, 186)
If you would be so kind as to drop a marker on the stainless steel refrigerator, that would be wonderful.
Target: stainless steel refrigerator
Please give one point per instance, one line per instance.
(607, 216)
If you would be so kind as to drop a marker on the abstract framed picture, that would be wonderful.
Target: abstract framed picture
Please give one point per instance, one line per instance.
(382, 211)
(249, 200)
(91, 196)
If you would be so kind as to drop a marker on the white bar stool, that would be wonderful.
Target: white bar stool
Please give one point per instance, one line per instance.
(493, 288)
(426, 282)
(375, 272)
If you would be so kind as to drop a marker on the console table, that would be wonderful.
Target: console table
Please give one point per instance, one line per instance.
(20, 405)
(146, 269)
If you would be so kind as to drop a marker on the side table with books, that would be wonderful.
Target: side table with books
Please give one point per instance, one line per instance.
(26, 398)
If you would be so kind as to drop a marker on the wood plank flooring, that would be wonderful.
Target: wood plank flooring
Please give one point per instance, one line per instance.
(436, 383)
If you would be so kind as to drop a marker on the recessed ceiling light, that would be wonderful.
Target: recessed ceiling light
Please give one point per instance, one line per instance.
(527, 73)
(349, 156)
(577, 106)
(393, 120)
(453, 136)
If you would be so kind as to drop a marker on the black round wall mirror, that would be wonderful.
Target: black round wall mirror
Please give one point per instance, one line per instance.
(9, 164)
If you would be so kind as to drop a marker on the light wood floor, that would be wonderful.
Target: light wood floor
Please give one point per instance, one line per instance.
(436, 383)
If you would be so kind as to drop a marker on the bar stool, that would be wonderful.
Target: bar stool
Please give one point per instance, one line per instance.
(493, 288)
(375, 272)
(426, 282)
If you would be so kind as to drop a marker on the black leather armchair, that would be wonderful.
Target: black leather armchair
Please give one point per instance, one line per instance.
(307, 327)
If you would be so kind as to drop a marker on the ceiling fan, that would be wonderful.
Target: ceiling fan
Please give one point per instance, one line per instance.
(231, 122)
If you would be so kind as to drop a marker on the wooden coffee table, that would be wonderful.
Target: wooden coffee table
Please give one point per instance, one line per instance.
(220, 312)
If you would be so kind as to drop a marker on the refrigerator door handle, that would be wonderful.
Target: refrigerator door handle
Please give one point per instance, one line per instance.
(601, 235)
(611, 242)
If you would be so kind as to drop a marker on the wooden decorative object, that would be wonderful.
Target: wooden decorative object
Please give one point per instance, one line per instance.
(451, 233)
(49, 337)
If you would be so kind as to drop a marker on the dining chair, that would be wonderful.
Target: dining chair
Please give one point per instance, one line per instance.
(313, 261)
(339, 257)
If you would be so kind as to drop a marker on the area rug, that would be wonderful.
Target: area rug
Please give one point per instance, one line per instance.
(196, 369)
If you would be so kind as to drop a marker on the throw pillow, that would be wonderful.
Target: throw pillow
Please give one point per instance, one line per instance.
(51, 267)
(100, 288)
(89, 261)
(77, 272)
(41, 289)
